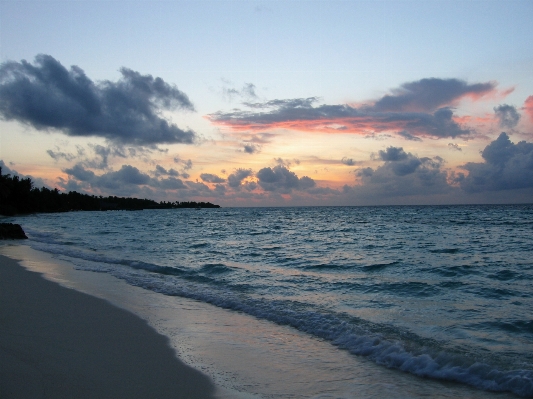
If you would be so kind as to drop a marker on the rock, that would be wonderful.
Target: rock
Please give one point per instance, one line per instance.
(11, 231)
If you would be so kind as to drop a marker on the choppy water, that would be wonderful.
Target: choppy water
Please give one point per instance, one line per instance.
(440, 292)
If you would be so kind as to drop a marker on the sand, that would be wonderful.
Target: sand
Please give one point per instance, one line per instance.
(56, 342)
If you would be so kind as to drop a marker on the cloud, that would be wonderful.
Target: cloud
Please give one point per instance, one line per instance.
(80, 173)
(247, 92)
(393, 154)
(235, 179)
(161, 171)
(507, 166)
(57, 155)
(416, 109)
(399, 161)
(262, 138)
(348, 161)
(127, 175)
(507, 115)
(128, 180)
(528, 107)
(185, 165)
(46, 95)
(170, 183)
(251, 148)
(455, 147)
(280, 179)
(210, 178)
(102, 154)
(408, 136)
(401, 175)
(427, 95)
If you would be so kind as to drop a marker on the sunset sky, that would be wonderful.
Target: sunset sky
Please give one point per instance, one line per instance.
(271, 103)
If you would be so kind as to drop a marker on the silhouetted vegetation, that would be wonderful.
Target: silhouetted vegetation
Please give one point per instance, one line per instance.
(20, 196)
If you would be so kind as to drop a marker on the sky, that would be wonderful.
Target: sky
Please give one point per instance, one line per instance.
(271, 103)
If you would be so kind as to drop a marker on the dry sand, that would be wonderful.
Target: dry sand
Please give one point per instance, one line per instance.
(56, 343)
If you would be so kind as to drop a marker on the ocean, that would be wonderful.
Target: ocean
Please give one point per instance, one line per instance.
(415, 301)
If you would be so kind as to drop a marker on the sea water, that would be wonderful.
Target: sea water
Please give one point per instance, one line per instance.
(438, 292)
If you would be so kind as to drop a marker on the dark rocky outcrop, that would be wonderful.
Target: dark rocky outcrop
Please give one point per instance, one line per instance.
(11, 231)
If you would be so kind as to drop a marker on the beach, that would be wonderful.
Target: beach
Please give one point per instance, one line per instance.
(350, 309)
(56, 342)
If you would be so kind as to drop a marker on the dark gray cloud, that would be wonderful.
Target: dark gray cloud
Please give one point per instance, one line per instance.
(170, 183)
(126, 175)
(348, 161)
(427, 95)
(46, 95)
(161, 171)
(236, 178)
(401, 175)
(508, 116)
(420, 108)
(455, 146)
(186, 164)
(392, 154)
(210, 178)
(507, 166)
(198, 189)
(102, 154)
(128, 180)
(440, 124)
(251, 148)
(282, 180)
(409, 136)
(57, 155)
(288, 104)
(250, 186)
(80, 173)
(399, 161)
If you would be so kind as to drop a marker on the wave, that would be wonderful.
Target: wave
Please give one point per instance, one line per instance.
(361, 338)
(515, 326)
(378, 266)
(216, 268)
(384, 344)
(199, 245)
(326, 266)
(445, 251)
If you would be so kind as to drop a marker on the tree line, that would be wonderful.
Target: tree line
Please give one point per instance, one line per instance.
(18, 195)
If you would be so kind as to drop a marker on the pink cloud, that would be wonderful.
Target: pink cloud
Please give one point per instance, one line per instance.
(420, 108)
(528, 107)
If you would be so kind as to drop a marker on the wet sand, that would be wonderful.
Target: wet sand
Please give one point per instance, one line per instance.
(56, 342)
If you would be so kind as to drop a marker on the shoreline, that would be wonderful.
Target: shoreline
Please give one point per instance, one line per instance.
(242, 356)
(57, 342)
